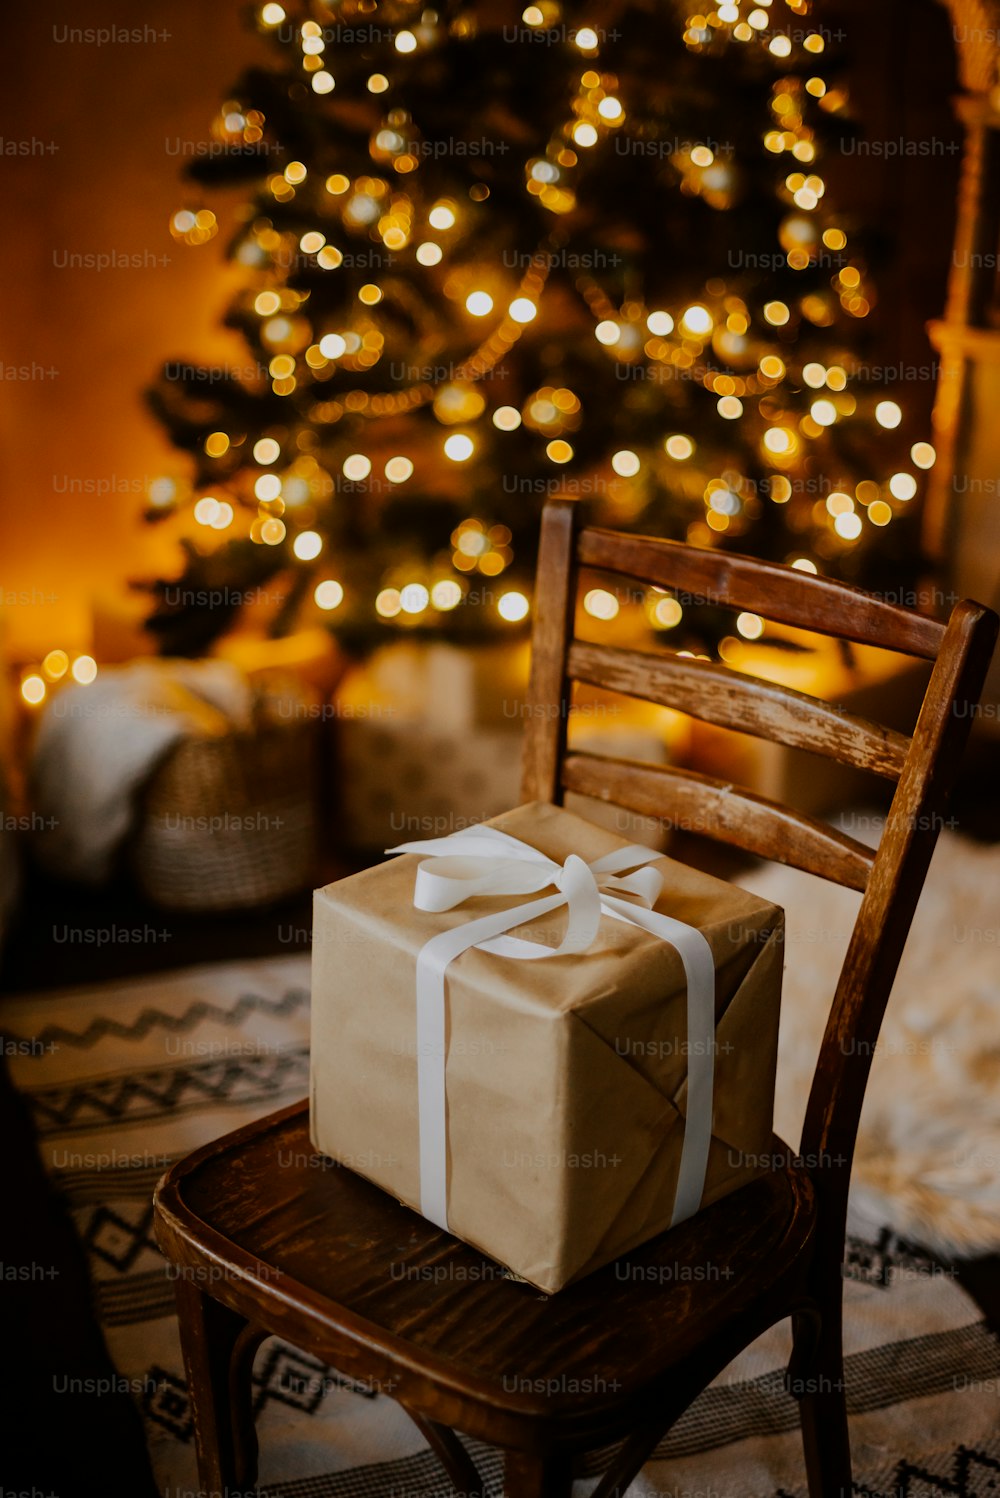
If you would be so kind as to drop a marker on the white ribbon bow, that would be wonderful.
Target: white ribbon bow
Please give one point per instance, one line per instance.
(484, 861)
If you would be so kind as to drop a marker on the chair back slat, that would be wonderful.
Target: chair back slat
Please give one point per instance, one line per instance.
(729, 699)
(768, 588)
(684, 801)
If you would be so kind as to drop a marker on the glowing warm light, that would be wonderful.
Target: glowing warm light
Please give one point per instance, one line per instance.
(804, 564)
(357, 467)
(750, 626)
(584, 134)
(206, 510)
(216, 443)
(586, 39)
(414, 598)
(512, 607)
(459, 447)
(824, 413)
(33, 690)
(522, 309)
(370, 294)
(332, 346)
(446, 595)
(295, 172)
(848, 527)
(697, 319)
(84, 669)
(405, 41)
(607, 332)
(778, 440)
(879, 513)
(558, 451)
(479, 303)
(266, 303)
(272, 15)
(888, 414)
(777, 314)
(814, 376)
(441, 217)
(388, 603)
(507, 418)
(667, 613)
(679, 447)
(307, 545)
(398, 470)
(267, 487)
(266, 450)
(626, 463)
(56, 664)
(272, 531)
(601, 604)
(902, 486)
(378, 83)
(329, 594)
(429, 253)
(660, 323)
(730, 406)
(772, 368)
(323, 82)
(923, 455)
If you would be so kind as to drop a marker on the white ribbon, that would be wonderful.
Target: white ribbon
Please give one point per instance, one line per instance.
(484, 861)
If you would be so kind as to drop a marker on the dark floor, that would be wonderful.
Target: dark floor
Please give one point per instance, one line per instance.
(90, 1445)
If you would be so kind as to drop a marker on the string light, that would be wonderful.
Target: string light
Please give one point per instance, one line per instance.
(84, 670)
(780, 407)
(600, 603)
(414, 598)
(329, 594)
(459, 447)
(513, 607)
(307, 545)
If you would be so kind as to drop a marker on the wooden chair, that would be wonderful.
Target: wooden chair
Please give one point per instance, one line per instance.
(321, 1257)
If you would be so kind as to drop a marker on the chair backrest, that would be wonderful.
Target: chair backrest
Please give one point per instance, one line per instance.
(924, 766)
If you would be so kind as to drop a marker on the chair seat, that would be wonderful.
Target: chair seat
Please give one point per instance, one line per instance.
(311, 1251)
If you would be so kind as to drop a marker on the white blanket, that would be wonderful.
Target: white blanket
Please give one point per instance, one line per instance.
(97, 746)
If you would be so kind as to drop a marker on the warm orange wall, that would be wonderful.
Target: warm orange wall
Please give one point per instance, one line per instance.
(110, 187)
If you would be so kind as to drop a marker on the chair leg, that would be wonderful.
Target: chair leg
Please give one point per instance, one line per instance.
(218, 1346)
(819, 1387)
(530, 1476)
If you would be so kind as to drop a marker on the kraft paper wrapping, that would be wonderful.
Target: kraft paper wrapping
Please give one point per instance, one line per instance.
(565, 1078)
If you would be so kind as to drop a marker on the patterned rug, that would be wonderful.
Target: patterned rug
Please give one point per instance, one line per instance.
(123, 1078)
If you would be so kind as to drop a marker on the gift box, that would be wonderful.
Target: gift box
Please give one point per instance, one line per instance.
(558, 1111)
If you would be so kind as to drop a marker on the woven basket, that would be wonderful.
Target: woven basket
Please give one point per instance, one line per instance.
(228, 822)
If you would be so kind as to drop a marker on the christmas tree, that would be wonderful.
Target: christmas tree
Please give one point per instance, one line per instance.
(585, 250)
